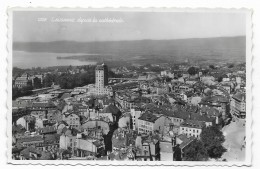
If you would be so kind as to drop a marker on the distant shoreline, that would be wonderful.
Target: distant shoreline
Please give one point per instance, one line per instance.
(227, 49)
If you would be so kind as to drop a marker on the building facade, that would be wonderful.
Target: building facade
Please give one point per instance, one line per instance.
(238, 105)
(149, 123)
(23, 81)
(191, 128)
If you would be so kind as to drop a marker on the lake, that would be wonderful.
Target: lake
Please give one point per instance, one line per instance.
(23, 59)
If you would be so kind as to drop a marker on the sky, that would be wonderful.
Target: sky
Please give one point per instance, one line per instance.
(45, 26)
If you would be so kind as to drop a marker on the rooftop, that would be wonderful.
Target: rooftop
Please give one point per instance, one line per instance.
(111, 109)
(239, 97)
(30, 139)
(193, 124)
(147, 116)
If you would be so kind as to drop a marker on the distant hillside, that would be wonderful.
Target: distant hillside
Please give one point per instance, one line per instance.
(224, 48)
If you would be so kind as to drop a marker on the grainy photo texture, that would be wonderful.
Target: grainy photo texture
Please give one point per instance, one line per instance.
(106, 86)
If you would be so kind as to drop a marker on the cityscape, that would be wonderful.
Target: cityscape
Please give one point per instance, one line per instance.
(160, 100)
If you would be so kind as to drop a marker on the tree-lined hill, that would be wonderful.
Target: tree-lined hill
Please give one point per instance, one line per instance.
(223, 48)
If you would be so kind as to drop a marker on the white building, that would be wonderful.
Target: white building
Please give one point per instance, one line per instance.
(191, 128)
(148, 123)
(167, 73)
(135, 114)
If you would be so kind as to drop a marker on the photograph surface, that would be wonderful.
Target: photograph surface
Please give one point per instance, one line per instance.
(129, 86)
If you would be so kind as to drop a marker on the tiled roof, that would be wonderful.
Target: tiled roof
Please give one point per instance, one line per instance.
(97, 143)
(239, 96)
(30, 139)
(83, 119)
(111, 109)
(63, 122)
(23, 104)
(211, 111)
(61, 105)
(43, 104)
(65, 95)
(26, 152)
(70, 131)
(193, 124)
(51, 138)
(216, 98)
(191, 108)
(48, 129)
(18, 128)
(125, 86)
(185, 140)
(201, 118)
(46, 156)
(188, 112)
(166, 147)
(17, 149)
(147, 116)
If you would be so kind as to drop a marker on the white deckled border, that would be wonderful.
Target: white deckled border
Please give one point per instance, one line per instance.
(249, 98)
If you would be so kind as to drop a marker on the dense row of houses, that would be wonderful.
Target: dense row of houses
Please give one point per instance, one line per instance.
(148, 119)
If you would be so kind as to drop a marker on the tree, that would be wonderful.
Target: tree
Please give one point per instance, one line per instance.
(196, 151)
(220, 78)
(15, 93)
(19, 92)
(177, 153)
(211, 66)
(231, 66)
(27, 90)
(179, 75)
(156, 69)
(204, 72)
(208, 92)
(37, 83)
(192, 70)
(213, 139)
(168, 79)
(140, 92)
(49, 79)
(148, 91)
(18, 72)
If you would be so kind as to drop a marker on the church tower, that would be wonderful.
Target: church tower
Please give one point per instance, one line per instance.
(101, 78)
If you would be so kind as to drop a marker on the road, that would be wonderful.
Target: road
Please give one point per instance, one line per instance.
(234, 134)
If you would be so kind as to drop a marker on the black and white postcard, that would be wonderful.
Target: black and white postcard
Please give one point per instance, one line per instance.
(126, 86)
